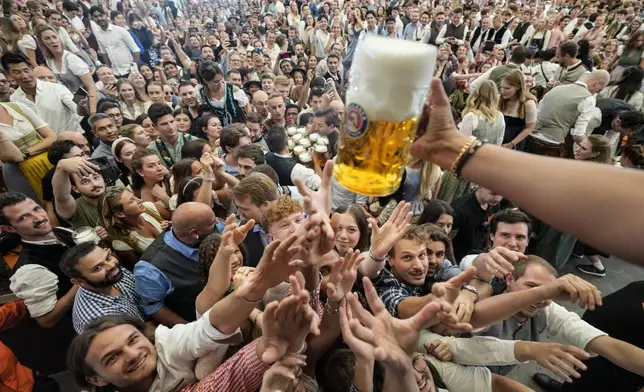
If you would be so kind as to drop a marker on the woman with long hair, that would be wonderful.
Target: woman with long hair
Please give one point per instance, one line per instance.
(148, 126)
(149, 181)
(131, 224)
(223, 99)
(438, 213)
(627, 34)
(137, 134)
(422, 182)
(186, 167)
(627, 88)
(353, 229)
(183, 120)
(519, 111)
(293, 15)
(482, 119)
(540, 37)
(211, 126)
(70, 69)
(608, 53)
(132, 104)
(140, 85)
(595, 148)
(123, 150)
(632, 55)
(24, 141)
(556, 28)
(14, 40)
(632, 157)
(147, 72)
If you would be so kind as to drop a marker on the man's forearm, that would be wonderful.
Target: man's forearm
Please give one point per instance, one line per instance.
(168, 318)
(621, 353)
(409, 306)
(63, 305)
(228, 314)
(62, 187)
(397, 382)
(500, 307)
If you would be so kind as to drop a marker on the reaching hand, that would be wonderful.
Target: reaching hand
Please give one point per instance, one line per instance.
(237, 234)
(561, 359)
(273, 269)
(435, 124)
(383, 337)
(306, 321)
(281, 376)
(572, 288)
(446, 293)
(78, 166)
(498, 262)
(438, 349)
(384, 238)
(343, 276)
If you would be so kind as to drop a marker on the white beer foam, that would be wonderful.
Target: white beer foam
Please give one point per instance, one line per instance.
(390, 78)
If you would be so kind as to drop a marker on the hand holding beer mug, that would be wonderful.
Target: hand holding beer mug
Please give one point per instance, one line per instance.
(388, 86)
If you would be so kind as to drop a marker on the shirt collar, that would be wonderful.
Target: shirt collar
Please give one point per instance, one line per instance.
(42, 242)
(259, 229)
(172, 241)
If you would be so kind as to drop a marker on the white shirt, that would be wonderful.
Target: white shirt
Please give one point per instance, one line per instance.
(66, 41)
(274, 53)
(571, 26)
(78, 24)
(507, 36)
(528, 34)
(471, 121)
(544, 72)
(441, 34)
(119, 45)
(308, 176)
(70, 62)
(279, 8)
(178, 348)
(320, 38)
(37, 286)
(54, 104)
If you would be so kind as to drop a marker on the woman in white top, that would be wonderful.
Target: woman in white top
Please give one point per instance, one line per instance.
(627, 88)
(73, 72)
(13, 40)
(293, 16)
(131, 224)
(132, 105)
(540, 37)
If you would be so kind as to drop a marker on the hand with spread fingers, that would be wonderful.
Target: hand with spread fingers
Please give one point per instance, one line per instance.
(438, 349)
(561, 359)
(380, 335)
(273, 268)
(343, 276)
(447, 293)
(498, 262)
(237, 233)
(384, 238)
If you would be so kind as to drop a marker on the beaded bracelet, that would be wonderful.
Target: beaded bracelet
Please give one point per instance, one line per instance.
(470, 141)
(466, 157)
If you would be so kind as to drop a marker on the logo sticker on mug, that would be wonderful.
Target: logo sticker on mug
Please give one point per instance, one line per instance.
(355, 120)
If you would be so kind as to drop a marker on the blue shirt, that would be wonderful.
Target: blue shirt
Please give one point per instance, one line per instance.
(151, 284)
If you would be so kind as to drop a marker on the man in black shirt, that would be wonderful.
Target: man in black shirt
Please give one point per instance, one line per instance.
(471, 219)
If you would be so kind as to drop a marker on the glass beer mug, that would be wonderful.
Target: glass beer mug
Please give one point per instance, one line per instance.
(388, 86)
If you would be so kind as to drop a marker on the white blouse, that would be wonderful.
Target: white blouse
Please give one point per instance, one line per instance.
(23, 124)
(142, 242)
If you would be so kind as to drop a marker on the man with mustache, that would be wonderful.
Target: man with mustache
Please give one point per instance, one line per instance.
(105, 288)
(38, 280)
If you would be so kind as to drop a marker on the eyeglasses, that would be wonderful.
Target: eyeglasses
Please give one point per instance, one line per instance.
(115, 115)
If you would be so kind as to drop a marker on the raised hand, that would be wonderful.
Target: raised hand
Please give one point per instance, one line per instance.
(78, 166)
(498, 262)
(447, 294)
(383, 337)
(575, 289)
(343, 276)
(561, 359)
(237, 234)
(384, 238)
(282, 375)
(273, 269)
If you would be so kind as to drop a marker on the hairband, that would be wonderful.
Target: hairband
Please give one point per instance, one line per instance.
(183, 192)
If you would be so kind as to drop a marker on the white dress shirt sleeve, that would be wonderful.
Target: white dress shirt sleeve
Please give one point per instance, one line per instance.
(507, 37)
(480, 80)
(467, 261)
(34, 118)
(311, 180)
(585, 108)
(67, 42)
(76, 65)
(468, 124)
(441, 35)
(568, 326)
(67, 98)
(37, 286)
(528, 34)
(458, 378)
(477, 350)
(129, 41)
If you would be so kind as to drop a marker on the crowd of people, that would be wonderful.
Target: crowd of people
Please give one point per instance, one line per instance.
(170, 221)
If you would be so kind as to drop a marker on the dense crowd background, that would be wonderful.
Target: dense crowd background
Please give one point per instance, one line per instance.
(170, 221)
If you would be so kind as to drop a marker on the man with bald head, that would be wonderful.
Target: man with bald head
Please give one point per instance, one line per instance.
(564, 114)
(45, 74)
(167, 277)
(260, 103)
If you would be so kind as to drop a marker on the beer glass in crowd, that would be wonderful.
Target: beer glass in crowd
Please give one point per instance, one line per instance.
(388, 86)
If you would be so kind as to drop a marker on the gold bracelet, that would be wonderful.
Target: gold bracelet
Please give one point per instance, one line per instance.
(465, 147)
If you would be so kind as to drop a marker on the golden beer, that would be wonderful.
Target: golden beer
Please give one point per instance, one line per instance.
(388, 85)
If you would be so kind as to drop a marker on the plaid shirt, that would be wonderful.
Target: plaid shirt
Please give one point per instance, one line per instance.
(89, 305)
(392, 291)
(243, 372)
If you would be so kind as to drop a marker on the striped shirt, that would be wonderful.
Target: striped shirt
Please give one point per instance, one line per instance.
(89, 305)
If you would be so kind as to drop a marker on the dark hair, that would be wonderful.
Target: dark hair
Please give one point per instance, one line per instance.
(139, 120)
(635, 154)
(9, 199)
(79, 347)
(268, 171)
(114, 14)
(276, 138)
(208, 251)
(305, 118)
(457, 10)
(370, 12)
(632, 119)
(186, 187)
(538, 92)
(158, 110)
(569, 48)
(390, 19)
(330, 116)
(137, 181)
(14, 58)
(251, 151)
(69, 6)
(184, 84)
(204, 120)
(208, 70)
(333, 55)
(193, 148)
(107, 105)
(181, 170)
(183, 110)
(97, 117)
(58, 150)
(546, 55)
(630, 83)
(95, 9)
(519, 54)
(72, 257)
(510, 216)
(361, 221)
(433, 211)
(230, 136)
(254, 117)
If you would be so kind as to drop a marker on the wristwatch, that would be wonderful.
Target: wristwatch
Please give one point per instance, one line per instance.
(471, 289)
